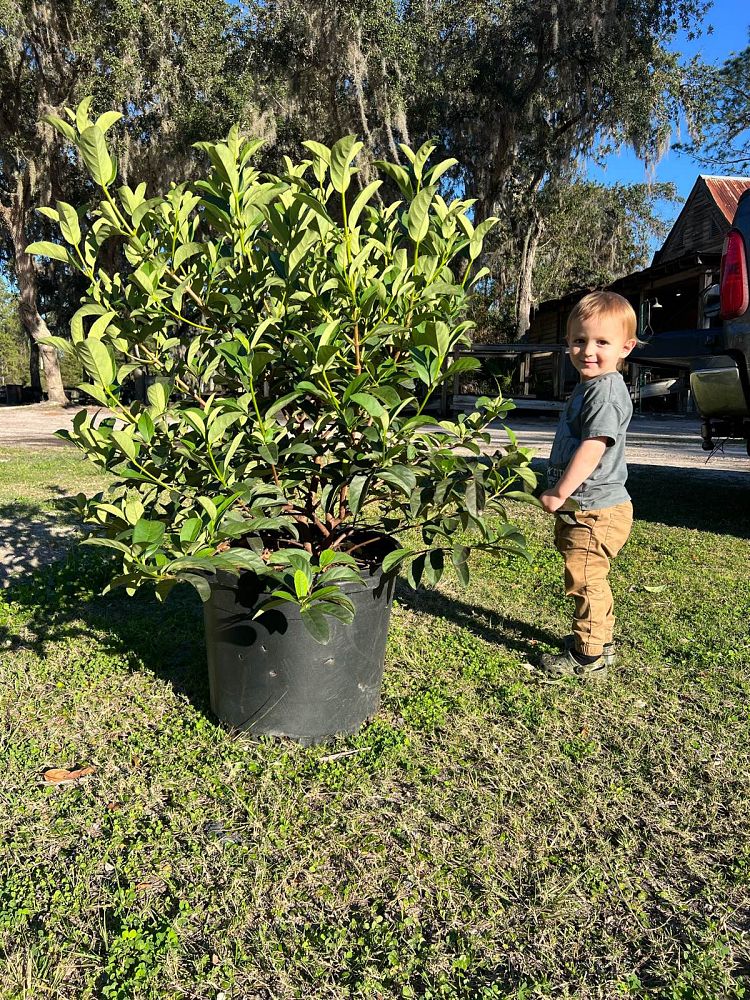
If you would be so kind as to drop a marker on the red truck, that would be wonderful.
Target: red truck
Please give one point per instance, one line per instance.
(720, 381)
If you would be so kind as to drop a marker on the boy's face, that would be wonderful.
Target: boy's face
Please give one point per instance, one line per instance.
(597, 345)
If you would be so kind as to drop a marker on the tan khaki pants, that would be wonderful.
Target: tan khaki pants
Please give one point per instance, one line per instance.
(588, 540)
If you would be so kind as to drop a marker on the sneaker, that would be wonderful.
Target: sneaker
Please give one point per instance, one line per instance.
(556, 667)
(609, 655)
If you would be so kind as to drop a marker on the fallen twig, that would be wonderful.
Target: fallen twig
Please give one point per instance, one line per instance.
(343, 753)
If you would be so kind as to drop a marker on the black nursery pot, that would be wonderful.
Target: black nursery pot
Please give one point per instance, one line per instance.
(270, 677)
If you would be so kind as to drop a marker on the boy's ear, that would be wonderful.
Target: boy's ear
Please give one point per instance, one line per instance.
(627, 347)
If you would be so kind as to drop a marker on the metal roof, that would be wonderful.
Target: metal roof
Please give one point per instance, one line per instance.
(726, 192)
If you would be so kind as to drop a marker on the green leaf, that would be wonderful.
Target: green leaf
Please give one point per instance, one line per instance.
(394, 559)
(299, 560)
(522, 497)
(314, 620)
(321, 151)
(146, 426)
(59, 343)
(415, 571)
(356, 492)
(200, 583)
(434, 565)
(372, 406)
(434, 173)
(209, 506)
(355, 385)
(337, 575)
(124, 370)
(99, 326)
(299, 250)
(76, 322)
(219, 426)
(477, 239)
(107, 120)
(147, 532)
(194, 418)
(125, 443)
(64, 128)
(280, 403)
(475, 497)
(69, 224)
(93, 148)
(269, 452)
(96, 392)
(97, 360)
(185, 252)
(422, 155)
(527, 474)
(342, 612)
(46, 249)
(82, 113)
(243, 559)
(401, 476)
(461, 365)
(133, 510)
(49, 213)
(397, 174)
(418, 222)
(107, 543)
(158, 396)
(460, 559)
(301, 583)
(190, 530)
(362, 198)
(342, 154)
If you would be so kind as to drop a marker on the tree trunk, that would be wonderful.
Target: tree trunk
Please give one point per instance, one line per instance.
(15, 221)
(35, 371)
(524, 292)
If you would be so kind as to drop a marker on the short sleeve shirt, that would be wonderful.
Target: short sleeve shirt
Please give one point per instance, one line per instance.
(597, 407)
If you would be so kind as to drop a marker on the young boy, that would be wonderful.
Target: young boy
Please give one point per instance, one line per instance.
(586, 480)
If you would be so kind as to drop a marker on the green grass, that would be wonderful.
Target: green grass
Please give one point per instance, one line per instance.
(41, 478)
(494, 837)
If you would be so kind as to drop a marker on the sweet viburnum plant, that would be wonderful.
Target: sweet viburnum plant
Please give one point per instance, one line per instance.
(298, 330)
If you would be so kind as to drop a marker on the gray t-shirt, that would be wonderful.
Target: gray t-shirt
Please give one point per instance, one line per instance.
(597, 407)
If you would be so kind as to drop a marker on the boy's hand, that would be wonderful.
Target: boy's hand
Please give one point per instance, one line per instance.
(551, 501)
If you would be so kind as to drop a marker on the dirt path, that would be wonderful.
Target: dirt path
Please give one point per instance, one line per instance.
(35, 426)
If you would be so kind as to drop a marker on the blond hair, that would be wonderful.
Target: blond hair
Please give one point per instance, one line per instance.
(597, 304)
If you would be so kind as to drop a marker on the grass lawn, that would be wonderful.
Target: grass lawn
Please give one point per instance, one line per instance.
(494, 837)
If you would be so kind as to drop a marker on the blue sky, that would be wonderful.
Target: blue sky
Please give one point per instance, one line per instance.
(730, 20)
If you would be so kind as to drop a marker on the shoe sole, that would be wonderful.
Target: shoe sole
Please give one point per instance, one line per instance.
(610, 659)
(593, 677)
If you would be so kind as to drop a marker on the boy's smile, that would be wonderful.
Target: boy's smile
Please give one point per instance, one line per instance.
(597, 345)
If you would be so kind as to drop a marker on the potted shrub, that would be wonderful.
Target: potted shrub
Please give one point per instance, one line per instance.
(287, 463)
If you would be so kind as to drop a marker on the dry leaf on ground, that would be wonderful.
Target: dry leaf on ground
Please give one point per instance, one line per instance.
(54, 775)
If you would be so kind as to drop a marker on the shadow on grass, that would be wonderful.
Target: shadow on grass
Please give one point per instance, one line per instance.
(702, 499)
(31, 537)
(64, 604)
(520, 636)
